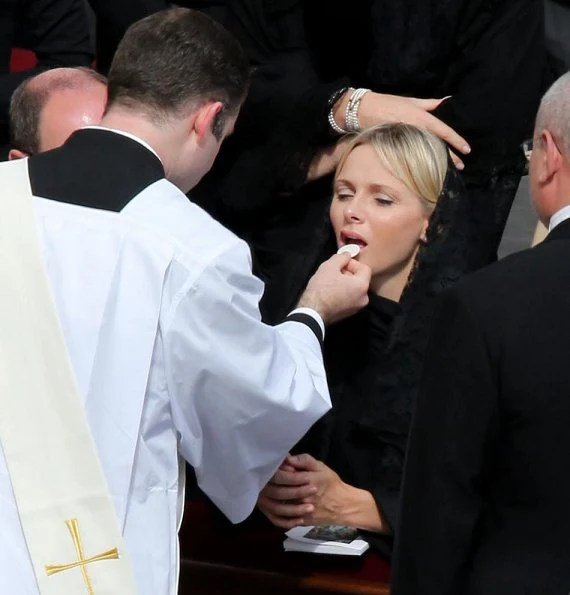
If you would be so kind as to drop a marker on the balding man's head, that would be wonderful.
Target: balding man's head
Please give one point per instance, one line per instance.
(49, 107)
(549, 168)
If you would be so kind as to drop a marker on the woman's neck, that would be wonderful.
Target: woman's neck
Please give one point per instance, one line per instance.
(391, 285)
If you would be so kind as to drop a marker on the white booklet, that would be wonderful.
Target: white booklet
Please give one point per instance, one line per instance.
(325, 539)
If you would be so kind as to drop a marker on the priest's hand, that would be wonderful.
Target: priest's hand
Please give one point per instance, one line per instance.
(338, 289)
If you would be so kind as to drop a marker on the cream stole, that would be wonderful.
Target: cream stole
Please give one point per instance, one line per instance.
(67, 515)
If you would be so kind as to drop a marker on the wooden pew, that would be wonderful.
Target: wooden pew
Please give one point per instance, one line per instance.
(221, 558)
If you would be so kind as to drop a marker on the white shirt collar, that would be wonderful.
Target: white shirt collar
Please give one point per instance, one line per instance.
(128, 135)
(558, 217)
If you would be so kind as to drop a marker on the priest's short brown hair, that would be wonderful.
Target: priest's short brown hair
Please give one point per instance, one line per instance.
(175, 59)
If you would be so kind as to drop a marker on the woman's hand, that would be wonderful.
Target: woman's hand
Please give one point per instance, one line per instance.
(304, 491)
(378, 108)
(330, 496)
(282, 499)
(326, 160)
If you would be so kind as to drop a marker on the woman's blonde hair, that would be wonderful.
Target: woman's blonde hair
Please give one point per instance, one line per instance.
(416, 157)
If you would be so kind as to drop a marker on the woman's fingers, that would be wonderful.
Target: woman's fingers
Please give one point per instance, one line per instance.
(456, 161)
(429, 104)
(376, 108)
(290, 478)
(285, 511)
(277, 492)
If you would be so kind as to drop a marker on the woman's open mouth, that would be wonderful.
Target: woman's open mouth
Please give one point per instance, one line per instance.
(350, 237)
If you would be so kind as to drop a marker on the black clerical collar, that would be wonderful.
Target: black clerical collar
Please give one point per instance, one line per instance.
(127, 135)
(95, 168)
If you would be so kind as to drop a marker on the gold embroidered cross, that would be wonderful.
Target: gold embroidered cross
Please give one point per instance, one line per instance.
(82, 562)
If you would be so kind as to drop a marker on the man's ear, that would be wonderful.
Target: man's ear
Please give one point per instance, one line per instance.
(16, 154)
(551, 158)
(206, 118)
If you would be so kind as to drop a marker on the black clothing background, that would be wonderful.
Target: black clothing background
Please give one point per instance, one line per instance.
(115, 16)
(353, 352)
(56, 30)
(487, 54)
(485, 505)
(557, 31)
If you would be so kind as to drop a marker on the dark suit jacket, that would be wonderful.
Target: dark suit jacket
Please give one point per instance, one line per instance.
(56, 30)
(486, 495)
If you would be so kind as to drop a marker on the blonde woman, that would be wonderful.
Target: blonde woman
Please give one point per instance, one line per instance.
(386, 189)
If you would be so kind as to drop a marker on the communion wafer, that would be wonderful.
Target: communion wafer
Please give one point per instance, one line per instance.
(352, 249)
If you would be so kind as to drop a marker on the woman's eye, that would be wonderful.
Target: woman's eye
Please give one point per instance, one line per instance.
(343, 196)
(383, 201)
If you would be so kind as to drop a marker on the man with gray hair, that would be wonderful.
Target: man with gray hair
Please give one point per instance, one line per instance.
(486, 493)
(47, 108)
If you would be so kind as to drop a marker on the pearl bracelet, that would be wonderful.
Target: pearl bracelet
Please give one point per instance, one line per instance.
(334, 126)
(351, 121)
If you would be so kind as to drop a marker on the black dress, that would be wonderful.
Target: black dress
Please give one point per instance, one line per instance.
(374, 362)
(370, 460)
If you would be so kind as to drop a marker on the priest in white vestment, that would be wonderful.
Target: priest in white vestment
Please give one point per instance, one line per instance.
(159, 309)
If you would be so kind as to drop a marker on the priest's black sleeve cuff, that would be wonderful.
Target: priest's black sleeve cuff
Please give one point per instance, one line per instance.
(308, 320)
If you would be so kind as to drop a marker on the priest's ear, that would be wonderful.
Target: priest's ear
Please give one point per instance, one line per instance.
(16, 154)
(210, 120)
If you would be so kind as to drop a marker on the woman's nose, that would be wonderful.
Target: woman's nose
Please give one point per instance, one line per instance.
(353, 212)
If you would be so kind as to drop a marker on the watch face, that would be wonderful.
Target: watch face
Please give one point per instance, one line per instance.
(336, 96)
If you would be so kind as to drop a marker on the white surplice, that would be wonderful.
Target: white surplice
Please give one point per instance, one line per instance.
(160, 314)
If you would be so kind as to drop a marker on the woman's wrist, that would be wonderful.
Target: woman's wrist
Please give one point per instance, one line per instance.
(338, 109)
(359, 510)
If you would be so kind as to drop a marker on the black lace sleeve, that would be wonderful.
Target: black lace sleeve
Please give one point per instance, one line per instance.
(445, 258)
(440, 263)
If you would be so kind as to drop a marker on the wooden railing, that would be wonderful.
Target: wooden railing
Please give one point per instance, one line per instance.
(220, 558)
